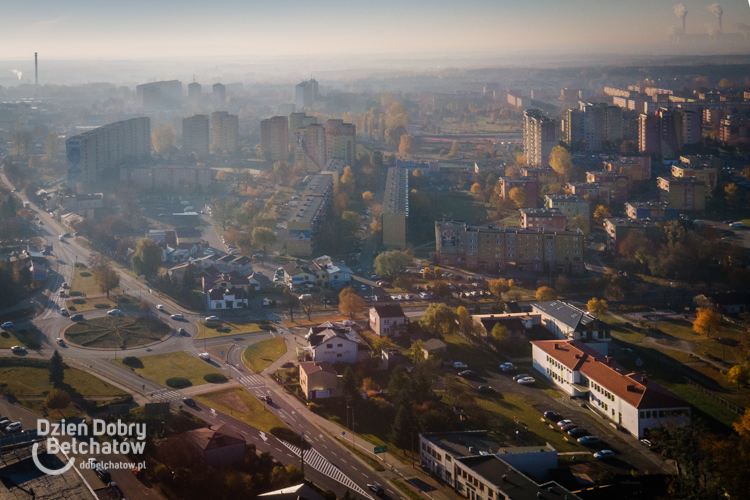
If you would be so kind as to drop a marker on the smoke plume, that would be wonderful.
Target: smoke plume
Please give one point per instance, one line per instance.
(712, 31)
(716, 9)
(19, 74)
(681, 11)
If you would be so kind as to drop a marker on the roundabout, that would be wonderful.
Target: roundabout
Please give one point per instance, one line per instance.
(125, 332)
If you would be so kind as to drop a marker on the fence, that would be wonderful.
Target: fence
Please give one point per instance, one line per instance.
(731, 406)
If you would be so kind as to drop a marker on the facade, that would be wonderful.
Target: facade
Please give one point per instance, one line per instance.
(85, 205)
(567, 322)
(539, 137)
(706, 174)
(167, 176)
(306, 93)
(501, 248)
(592, 189)
(652, 210)
(274, 140)
(310, 147)
(99, 152)
(543, 176)
(550, 219)
(194, 92)
(683, 194)
(305, 223)
(334, 274)
(396, 208)
(298, 276)
(648, 135)
(218, 446)
(571, 205)
(528, 184)
(636, 168)
(617, 230)
(593, 126)
(219, 91)
(160, 95)
(318, 380)
(227, 298)
(332, 345)
(628, 399)
(573, 131)
(387, 320)
(341, 140)
(226, 129)
(615, 183)
(195, 133)
(296, 122)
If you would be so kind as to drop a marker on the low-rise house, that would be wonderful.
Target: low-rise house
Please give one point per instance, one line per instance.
(387, 320)
(434, 347)
(568, 322)
(628, 399)
(318, 380)
(218, 446)
(38, 271)
(297, 276)
(392, 358)
(235, 280)
(330, 273)
(227, 298)
(188, 235)
(332, 344)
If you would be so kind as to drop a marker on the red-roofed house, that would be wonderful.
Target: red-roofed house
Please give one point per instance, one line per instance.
(628, 399)
(318, 380)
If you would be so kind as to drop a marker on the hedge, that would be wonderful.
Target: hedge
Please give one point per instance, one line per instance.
(31, 362)
(215, 378)
(102, 306)
(178, 382)
(78, 301)
(132, 362)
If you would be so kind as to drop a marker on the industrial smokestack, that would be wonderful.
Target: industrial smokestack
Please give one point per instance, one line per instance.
(681, 11)
(716, 9)
(36, 70)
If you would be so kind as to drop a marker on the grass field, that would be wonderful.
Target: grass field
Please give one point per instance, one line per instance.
(511, 221)
(629, 334)
(176, 364)
(111, 332)
(74, 304)
(260, 356)
(30, 382)
(226, 328)
(242, 405)
(83, 281)
(406, 490)
(8, 339)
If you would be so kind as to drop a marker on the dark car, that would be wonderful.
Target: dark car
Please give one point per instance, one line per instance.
(466, 374)
(376, 488)
(568, 427)
(103, 474)
(188, 401)
(76, 317)
(578, 432)
(484, 388)
(266, 399)
(551, 415)
(182, 331)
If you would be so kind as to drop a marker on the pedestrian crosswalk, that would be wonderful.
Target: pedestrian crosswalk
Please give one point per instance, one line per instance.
(252, 380)
(318, 462)
(167, 396)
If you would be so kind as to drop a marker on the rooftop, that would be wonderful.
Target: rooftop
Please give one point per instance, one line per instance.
(463, 443)
(566, 197)
(212, 439)
(187, 232)
(306, 209)
(319, 185)
(565, 313)
(396, 197)
(389, 311)
(310, 367)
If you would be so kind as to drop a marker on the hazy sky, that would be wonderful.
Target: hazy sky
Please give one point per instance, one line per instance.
(117, 29)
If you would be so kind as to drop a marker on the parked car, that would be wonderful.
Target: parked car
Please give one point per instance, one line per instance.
(177, 316)
(160, 307)
(508, 367)
(646, 443)
(526, 380)
(212, 318)
(363, 287)
(520, 376)
(60, 341)
(484, 388)
(578, 432)
(7, 325)
(588, 440)
(376, 488)
(551, 415)
(564, 422)
(76, 317)
(604, 454)
(14, 427)
(466, 373)
(114, 312)
(205, 356)
(18, 348)
(115, 490)
(737, 224)
(568, 427)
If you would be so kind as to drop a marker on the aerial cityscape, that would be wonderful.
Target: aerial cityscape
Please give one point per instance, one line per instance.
(456, 250)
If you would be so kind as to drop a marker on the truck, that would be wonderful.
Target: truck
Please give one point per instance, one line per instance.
(188, 208)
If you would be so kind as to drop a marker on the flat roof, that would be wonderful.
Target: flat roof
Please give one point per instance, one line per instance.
(463, 443)
(306, 209)
(319, 185)
(396, 197)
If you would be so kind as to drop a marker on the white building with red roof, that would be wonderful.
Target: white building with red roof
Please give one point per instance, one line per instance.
(626, 398)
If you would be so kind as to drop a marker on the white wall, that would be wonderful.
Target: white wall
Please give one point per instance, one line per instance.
(347, 351)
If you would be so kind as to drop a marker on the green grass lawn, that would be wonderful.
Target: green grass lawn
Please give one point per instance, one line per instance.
(226, 328)
(242, 405)
(27, 381)
(112, 332)
(512, 221)
(160, 367)
(8, 339)
(83, 281)
(266, 353)
(79, 304)
(628, 334)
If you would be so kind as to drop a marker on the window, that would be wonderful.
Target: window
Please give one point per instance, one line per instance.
(425, 447)
(339, 345)
(330, 346)
(338, 355)
(448, 458)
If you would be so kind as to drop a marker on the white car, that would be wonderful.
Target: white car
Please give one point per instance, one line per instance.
(205, 356)
(176, 316)
(737, 224)
(526, 380)
(460, 366)
(18, 348)
(160, 307)
(15, 426)
(212, 318)
(114, 312)
(563, 423)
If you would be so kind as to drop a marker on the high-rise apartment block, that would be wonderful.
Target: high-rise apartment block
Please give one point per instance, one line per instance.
(274, 140)
(341, 140)
(666, 131)
(91, 154)
(160, 95)
(296, 122)
(194, 92)
(573, 129)
(219, 93)
(309, 215)
(539, 137)
(306, 93)
(310, 149)
(195, 133)
(396, 208)
(225, 132)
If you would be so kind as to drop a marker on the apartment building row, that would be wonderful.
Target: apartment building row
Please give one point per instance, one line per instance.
(665, 131)
(395, 220)
(308, 215)
(222, 137)
(500, 248)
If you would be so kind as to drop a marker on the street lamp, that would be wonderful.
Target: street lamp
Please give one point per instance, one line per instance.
(351, 428)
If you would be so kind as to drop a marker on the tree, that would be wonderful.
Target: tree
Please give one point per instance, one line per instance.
(392, 263)
(416, 352)
(561, 162)
(57, 399)
(307, 307)
(707, 322)
(289, 301)
(350, 303)
(454, 150)
(367, 198)
(498, 287)
(597, 307)
(500, 333)
(512, 172)
(739, 374)
(346, 184)
(545, 294)
(408, 145)
(350, 386)
(518, 195)
(402, 427)
(263, 238)
(147, 258)
(476, 190)
(439, 319)
(580, 222)
(106, 278)
(465, 321)
(380, 343)
(732, 195)
(441, 290)
(375, 226)
(56, 370)
(144, 306)
(164, 139)
(602, 212)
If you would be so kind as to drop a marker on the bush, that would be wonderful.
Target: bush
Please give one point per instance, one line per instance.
(288, 435)
(72, 308)
(81, 265)
(313, 407)
(215, 378)
(178, 382)
(78, 301)
(85, 274)
(214, 325)
(102, 306)
(75, 294)
(132, 362)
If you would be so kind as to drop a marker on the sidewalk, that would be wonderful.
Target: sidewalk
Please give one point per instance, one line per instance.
(395, 469)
